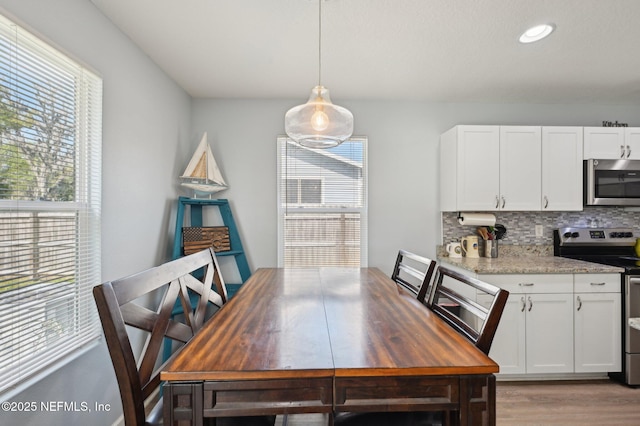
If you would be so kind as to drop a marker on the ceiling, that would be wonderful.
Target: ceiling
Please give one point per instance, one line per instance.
(430, 50)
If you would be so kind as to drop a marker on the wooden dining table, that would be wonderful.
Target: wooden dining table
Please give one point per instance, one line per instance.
(327, 340)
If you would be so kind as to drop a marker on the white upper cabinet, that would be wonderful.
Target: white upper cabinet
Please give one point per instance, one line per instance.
(511, 168)
(520, 167)
(562, 169)
(469, 168)
(612, 143)
(632, 142)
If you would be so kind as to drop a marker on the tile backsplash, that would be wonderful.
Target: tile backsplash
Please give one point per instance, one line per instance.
(521, 225)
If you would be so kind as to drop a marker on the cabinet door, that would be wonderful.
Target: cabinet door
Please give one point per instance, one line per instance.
(508, 347)
(598, 333)
(520, 167)
(562, 169)
(632, 142)
(549, 333)
(478, 174)
(604, 143)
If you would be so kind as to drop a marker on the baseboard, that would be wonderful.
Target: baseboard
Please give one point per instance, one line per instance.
(548, 377)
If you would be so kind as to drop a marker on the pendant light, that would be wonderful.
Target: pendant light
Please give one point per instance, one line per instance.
(319, 123)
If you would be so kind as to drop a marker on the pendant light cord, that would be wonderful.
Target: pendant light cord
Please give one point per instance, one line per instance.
(319, 42)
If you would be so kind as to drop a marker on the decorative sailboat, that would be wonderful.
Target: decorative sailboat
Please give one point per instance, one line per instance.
(202, 173)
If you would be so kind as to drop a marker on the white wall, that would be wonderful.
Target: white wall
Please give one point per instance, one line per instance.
(146, 141)
(403, 162)
(402, 165)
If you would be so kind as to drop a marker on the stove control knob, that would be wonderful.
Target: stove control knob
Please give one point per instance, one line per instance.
(567, 235)
(575, 235)
(628, 234)
(613, 235)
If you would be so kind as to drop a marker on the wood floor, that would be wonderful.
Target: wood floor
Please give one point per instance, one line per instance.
(549, 403)
(567, 403)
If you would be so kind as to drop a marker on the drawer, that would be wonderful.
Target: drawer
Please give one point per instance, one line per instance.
(531, 283)
(597, 283)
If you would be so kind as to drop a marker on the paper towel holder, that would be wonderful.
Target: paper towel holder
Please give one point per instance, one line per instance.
(476, 219)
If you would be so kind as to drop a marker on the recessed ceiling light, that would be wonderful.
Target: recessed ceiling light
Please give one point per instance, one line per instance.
(537, 33)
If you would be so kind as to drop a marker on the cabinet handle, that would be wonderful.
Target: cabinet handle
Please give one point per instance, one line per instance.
(546, 202)
(598, 283)
(628, 151)
(497, 202)
(503, 202)
(579, 303)
(525, 284)
(621, 151)
(523, 304)
(530, 303)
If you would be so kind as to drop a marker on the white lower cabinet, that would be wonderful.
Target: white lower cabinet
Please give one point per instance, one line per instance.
(535, 335)
(552, 326)
(598, 327)
(509, 344)
(549, 333)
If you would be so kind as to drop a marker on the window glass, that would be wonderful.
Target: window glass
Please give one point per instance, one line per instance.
(322, 206)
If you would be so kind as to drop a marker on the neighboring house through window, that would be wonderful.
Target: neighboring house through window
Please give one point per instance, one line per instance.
(304, 191)
(50, 190)
(322, 207)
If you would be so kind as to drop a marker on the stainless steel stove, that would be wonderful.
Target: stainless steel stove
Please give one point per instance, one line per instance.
(615, 247)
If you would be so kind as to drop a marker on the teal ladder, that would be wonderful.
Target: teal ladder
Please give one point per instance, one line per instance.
(196, 205)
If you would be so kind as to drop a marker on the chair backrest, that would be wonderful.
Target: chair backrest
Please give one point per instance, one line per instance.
(125, 302)
(470, 306)
(414, 273)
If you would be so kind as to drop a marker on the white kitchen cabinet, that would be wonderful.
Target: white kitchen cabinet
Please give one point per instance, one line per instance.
(612, 143)
(488, 168)
(598, 334)
(535, 335)
(520, 168)
(511, 168)
(549, 333)
(632, 142)
(562, 169)
(469, 168)
(509, 344)
(556, 324)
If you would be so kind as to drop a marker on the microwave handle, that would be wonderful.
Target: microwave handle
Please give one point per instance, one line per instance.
(590, 176)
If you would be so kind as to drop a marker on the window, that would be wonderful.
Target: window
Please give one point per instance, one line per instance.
(322, 207)
(50, 173)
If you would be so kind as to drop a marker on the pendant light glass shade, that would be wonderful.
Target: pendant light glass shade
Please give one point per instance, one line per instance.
(319, 123)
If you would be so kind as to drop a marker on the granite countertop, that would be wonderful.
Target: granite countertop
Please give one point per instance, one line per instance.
(528, 265)
(526, 260)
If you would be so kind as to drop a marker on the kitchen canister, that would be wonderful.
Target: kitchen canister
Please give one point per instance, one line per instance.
(490, 248)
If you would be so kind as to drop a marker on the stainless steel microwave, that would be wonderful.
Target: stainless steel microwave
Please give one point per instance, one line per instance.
(612, 182)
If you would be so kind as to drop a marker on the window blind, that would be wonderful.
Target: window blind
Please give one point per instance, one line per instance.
(322, 204)
(50, 191)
